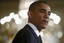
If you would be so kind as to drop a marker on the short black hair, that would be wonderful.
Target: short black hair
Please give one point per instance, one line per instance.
(34, 4)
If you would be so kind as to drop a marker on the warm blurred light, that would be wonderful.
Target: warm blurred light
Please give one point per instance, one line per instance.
(11, 15)
(27, 4)
(59, 34)
(41, 33)
(23, 13)
(5, 19)
(51, 23)
(24, 4)
(55, 18)
(17, 19)
(16, 16)
(8, 18)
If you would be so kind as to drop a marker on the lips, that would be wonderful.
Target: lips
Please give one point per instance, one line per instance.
(46, 20)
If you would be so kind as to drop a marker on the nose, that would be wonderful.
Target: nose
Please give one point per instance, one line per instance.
(46, 15)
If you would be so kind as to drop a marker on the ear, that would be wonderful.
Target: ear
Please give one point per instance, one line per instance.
(30, 14)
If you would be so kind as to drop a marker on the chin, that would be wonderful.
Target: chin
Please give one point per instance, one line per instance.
(43, 26)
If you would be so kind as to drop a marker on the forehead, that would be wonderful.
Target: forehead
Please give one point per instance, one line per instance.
(43, 6)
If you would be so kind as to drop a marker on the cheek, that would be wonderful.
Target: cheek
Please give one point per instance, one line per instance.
(39, 19)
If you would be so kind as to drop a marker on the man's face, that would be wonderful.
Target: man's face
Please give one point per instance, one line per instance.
(40, 16)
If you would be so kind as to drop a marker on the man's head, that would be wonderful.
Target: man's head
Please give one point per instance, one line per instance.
(39, 13)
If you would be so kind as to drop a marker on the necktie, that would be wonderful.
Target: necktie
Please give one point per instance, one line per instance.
(40, 38)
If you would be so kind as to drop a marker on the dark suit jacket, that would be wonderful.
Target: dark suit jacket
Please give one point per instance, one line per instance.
(26, 35)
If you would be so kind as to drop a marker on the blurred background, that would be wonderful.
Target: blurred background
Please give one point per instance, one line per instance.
(13, 17)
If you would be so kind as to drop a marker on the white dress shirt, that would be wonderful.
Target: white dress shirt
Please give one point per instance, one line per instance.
(34, 28)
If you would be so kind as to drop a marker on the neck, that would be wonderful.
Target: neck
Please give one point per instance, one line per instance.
(39, 29)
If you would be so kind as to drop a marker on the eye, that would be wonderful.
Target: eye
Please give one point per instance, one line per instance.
(49, 13)
(43, 11)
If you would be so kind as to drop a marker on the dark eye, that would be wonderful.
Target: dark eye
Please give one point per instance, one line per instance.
(43, 11)
(49, 13)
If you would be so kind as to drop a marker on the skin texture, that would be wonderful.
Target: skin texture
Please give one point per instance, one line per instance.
(40, 16)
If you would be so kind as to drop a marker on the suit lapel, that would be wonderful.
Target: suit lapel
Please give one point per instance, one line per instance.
(36, 37)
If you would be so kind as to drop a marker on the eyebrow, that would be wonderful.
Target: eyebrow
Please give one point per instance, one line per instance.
(45, 10)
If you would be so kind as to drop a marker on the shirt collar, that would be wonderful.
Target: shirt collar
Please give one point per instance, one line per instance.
(34, 28)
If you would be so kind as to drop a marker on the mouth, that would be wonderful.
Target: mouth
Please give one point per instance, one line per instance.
(45, 21)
